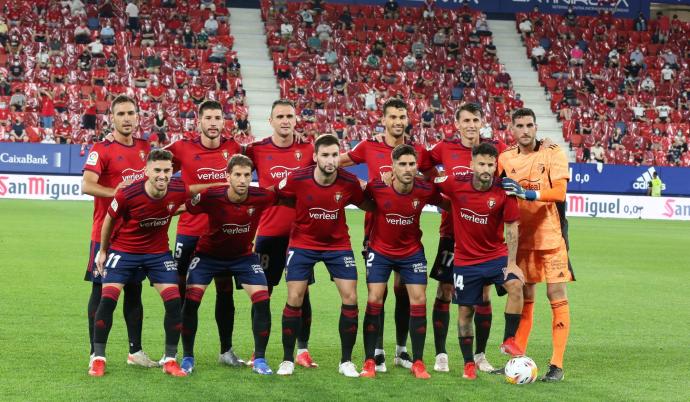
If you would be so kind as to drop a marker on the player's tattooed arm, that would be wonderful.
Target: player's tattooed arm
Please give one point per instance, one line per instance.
(90, 186)
(106, 232)
(512, 243)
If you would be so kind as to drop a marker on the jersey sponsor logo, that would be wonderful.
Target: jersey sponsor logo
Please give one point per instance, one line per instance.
(154, 222)
(114, 205)
(323, 214)
(281, 172)
(461, 170)
(474, 217)
(338, 196)
(92, 159)
(132, 174)
(211, 174)
(385, 169)
(530, 184)
(234, 229)
(170, 265)
(395, 219)
(257, 269)
(419, 268)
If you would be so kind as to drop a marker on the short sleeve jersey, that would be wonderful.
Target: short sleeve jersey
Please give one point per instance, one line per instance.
(232, 225)
(540, 227)
(144, 220)
(455, 159)
(114, 163)
(377, 156)
(478, 218)
(320, 210)
(273, 164)
(200, 165)
(395, 229)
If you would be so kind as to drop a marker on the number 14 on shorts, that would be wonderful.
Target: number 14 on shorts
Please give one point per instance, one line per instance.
(457, 282)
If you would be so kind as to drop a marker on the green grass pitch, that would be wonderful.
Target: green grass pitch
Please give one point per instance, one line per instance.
(629, 338)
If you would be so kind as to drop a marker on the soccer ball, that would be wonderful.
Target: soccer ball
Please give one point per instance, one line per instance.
(521, 370)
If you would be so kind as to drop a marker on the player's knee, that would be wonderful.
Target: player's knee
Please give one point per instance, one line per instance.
(486, 294)
(445, 291)
(514, 289)
(556, 291)
(349, 297)
(528, 291)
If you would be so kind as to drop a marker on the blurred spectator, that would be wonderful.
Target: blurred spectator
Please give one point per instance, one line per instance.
(538, 56)
(18, 131)
(370, 99)
(641, 22)
(4, 29)
(76, 8)
(18, 101)
(670, 58)
(202, 39)
(306, 16)
(207, 5)
(345, 19)
(482, 26)
(88, 120)
(82, 34)
(218, 52)
(648, 84)
(47, 109)
(96, 48)
(211, 25)
(637, 56)
(314, 43)
(663, 112)
(147, 34)
(576, 56)
(16, 71)
(667, 74)
(132, 11)
(597, 153)
(324, 31)
(570, 18)
(106, 9)
(185, 107)
(107, 34)
(409, 62)
(160, 126)
(391, 9)
(286, 29)
(525, 28)
(616, 140)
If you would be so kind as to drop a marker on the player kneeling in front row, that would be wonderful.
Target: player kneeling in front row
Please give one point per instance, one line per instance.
(139, 248)
(234, 211)
(320, 233)
(395, 243)
(481, 209)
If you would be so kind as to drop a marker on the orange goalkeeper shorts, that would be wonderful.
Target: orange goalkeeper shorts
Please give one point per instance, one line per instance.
(550, 266)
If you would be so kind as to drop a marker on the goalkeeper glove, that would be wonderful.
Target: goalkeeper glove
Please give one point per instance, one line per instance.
(513, 188)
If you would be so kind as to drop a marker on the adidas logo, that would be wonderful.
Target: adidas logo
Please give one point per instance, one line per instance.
(512, 171)
(642, 182)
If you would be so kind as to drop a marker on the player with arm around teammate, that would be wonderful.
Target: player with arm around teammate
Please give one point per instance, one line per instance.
(112, 164)
(538, 175)
(480, 211)
(320, 233)
(134, 244)
(226, 247)
(395, 243)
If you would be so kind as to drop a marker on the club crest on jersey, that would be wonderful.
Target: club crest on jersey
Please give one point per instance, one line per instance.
(226, 154)
(171, 206)
(142, 155)
(491, 202)
(338, 196)
(196, 199)
(298, 155)
(415, 203)
(250, 211)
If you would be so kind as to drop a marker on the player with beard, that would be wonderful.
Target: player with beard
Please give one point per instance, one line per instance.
(395, 244)
(455, 156)
(227, 247)
(203, 162)
(275, 158)
(113, 164)
(377, 155)
(134, 245)
(320, 234)
(481, 210)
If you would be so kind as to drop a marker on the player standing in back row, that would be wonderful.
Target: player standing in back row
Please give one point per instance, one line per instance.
(538, 175)
(113, 164)
(377, 156)
(275, 158)
(134, 245)
(203, 161)
(456, 157)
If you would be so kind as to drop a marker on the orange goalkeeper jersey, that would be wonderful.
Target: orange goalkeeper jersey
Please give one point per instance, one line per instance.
(540, 227)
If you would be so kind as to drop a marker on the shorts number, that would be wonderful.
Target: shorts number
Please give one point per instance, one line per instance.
(370, 260)
(290, 254)
(265, 260)
(447, 258)
(193, 263)
(178, 250)
(112, 258)
(457, 281)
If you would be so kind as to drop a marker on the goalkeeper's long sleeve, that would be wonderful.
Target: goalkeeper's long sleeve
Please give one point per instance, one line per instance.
(555, 193)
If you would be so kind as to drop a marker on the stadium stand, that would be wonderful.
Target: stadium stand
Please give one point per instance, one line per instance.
(622, 83)
(340, 63)
(61, 62)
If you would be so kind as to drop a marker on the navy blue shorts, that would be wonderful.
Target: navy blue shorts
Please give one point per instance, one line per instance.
(469, 281)
(300, 264)
(91, 274)
(412, 269)
(272, 253)
(246, 270)
(124, 267)
(184, 250)
(442, 270)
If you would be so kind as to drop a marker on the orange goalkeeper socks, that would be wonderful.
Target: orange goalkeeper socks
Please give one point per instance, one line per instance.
(525, 327)
(560, 329)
